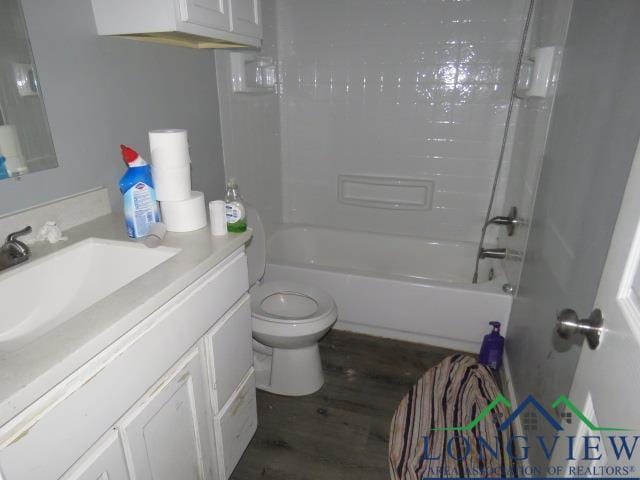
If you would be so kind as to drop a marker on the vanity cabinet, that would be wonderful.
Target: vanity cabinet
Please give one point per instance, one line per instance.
(174, 398)
(189, 23)
(166, 433)
(103, 461)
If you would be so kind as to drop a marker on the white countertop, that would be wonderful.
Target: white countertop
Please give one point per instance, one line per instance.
(25, 375)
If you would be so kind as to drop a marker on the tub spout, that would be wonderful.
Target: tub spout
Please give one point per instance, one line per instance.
(493, 253)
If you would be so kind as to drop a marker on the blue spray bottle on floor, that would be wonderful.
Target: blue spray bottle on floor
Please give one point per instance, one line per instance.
(140, 206)
(492, 348)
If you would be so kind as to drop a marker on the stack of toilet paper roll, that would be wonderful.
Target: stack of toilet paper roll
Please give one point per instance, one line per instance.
(183, 210)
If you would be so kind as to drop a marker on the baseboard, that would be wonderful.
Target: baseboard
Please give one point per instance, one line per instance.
(462, 345)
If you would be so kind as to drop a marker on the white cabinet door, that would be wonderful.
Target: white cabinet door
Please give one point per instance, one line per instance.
(104, 461)
(208, 13)
(229, 352)
(167, 435)
(246, 17)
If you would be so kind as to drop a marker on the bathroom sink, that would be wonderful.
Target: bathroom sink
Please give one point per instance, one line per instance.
(40, 295)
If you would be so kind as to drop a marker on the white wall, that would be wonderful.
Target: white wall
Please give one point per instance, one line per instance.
(100, 92)
(398, 88)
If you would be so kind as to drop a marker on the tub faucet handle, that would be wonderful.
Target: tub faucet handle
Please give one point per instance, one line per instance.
(510, 221)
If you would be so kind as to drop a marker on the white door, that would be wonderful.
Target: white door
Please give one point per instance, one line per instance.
(208, 13)
(168, 434)
(246, 18)
(606, 386)
(104, 461)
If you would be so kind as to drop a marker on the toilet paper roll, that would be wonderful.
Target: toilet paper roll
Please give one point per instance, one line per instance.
(169, 148)
(218, 218)
(185, 215)
(171, 184)
(11, 149)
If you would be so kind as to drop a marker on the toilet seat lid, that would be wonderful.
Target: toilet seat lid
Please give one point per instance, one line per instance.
(270, 301)
(256, 247)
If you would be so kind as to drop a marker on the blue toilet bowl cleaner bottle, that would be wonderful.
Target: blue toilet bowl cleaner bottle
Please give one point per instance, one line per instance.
(492, 348)
(140, 205)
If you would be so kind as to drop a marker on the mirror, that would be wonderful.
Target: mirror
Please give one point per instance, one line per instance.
(25, 140)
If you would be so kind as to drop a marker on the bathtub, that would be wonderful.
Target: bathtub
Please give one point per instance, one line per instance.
(395, 286)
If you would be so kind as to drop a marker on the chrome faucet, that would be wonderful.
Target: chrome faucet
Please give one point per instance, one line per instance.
(493, 253)
(510, 221)
(14, 251)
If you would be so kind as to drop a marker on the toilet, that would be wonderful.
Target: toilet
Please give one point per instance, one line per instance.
(288, 320)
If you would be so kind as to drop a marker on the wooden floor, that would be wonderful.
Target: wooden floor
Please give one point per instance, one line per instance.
(340, 432)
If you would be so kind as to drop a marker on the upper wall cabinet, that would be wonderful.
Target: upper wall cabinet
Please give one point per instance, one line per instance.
(246, 18)
(208, 13)
(188, 23)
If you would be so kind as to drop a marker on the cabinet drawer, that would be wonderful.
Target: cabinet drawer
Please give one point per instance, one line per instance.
(229, 352)
(236, 424)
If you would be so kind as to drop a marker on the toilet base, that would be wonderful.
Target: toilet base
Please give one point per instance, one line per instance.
(293, 372)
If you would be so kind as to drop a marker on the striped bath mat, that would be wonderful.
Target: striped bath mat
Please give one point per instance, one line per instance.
(451, 394)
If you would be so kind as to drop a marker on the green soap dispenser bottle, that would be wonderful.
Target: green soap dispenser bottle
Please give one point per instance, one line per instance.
(235, 210)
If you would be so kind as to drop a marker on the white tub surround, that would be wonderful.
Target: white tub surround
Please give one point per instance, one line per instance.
(410, 89)
(395, 286)
(529, 127)
(164, 339)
